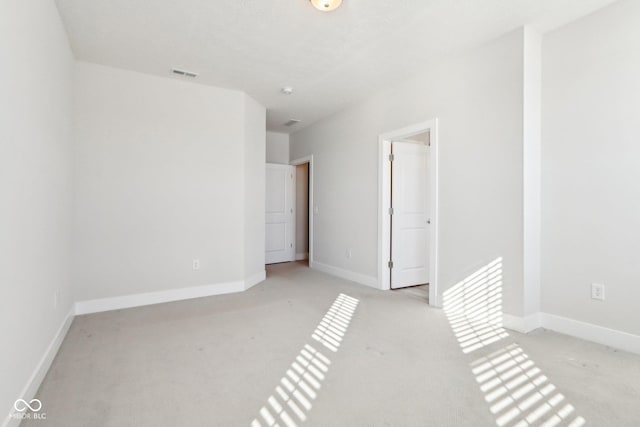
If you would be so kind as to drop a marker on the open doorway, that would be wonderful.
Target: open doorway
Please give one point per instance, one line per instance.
(408, 198)
(304, 209)
(302, 212)
(410, 214)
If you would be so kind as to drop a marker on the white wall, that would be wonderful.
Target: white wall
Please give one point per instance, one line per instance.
(302, 210)
(254, 191)
(590, 186)
(160, 180)
(35, 189)
(532, 110)
(478, 98)
(277, 148)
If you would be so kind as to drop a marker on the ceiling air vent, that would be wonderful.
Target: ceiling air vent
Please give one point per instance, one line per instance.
(184, 73)
(292, 122)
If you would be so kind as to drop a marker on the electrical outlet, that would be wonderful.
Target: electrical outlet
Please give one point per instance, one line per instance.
(196, 264)
(597, 291)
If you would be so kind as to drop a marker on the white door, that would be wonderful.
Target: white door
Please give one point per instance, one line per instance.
(410, 215)
(280, 202)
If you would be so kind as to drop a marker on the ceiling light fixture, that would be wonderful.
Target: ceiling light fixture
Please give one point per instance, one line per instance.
(326, 5)
(287, 90)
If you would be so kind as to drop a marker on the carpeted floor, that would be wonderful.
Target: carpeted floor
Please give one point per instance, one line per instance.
(305, 348)
(421, 292)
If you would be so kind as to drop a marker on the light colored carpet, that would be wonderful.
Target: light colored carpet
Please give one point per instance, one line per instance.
(421, 292)
(219, 361)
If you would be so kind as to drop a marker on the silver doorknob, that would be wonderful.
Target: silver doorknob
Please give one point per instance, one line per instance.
(429, 221)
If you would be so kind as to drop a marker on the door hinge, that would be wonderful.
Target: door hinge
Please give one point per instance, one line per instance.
(390, 211)
(391, 157)
(390, 264)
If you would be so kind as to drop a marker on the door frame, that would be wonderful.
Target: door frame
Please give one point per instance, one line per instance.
(297, 162)
(384, 202)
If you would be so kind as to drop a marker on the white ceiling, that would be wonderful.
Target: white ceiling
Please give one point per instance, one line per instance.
(331, 59)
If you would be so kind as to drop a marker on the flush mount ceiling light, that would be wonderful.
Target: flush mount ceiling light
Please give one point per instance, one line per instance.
(326, 5)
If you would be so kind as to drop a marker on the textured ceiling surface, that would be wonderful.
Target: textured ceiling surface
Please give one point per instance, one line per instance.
(331, 59)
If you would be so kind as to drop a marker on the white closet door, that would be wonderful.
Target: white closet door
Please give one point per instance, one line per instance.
(280, 202)
(410, 218)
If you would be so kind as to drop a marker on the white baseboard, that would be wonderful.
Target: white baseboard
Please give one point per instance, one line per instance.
(575, 328)
(590, 332)
(33, 384)
(170, 295)
(302, 256)
(523, 325)
(346, 274)
(253, 280)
